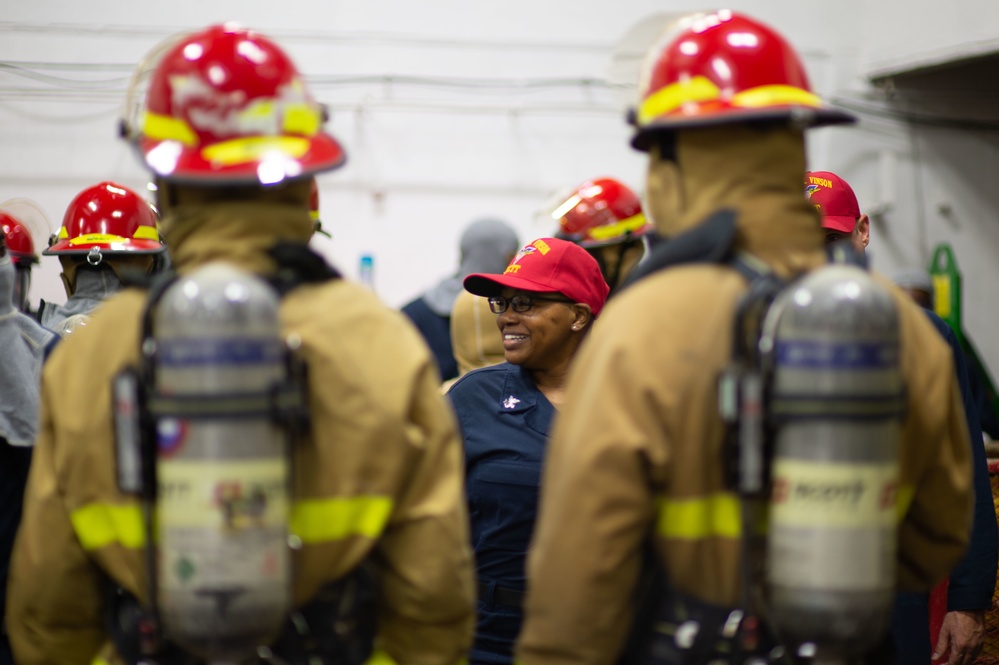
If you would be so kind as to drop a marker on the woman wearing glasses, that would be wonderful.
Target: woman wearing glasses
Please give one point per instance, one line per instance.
(545, 302)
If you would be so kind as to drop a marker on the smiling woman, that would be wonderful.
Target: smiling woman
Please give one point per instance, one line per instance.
(545, 302)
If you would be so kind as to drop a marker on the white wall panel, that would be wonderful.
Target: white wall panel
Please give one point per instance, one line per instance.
(497, 119)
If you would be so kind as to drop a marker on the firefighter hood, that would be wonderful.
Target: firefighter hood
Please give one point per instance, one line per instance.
(755, 172)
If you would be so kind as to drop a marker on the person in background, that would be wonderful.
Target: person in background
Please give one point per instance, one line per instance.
(486, 246)
(545, 303)
(636, 468)
(377, 480)
(971, 583)
(108, 231)
(844, 221)
(26, 228)
(604, 217)
(23, 345)
(477, 342)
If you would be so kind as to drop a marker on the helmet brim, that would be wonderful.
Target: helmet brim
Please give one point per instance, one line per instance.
(131, 246)
(805, 117)
(260, 160)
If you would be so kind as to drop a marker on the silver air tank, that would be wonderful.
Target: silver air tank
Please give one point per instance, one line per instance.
(836, 402)
(222, 468)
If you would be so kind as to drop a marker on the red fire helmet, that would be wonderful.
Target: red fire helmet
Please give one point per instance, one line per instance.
(18, 239)
(25, 228)
(599, 212)
(107, 218)
(725, 67)
(227, 105)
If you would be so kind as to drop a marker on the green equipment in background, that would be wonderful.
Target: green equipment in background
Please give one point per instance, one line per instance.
(947, 304)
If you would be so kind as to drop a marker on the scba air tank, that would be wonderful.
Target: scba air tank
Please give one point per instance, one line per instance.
(222, 465)
(836, 402)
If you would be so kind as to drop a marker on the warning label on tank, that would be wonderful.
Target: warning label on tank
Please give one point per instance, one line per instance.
(224, 562)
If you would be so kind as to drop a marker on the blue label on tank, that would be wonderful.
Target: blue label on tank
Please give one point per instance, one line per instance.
(227, 351)
(842, 355)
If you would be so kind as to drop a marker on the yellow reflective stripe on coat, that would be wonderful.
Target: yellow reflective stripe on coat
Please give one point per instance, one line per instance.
(99, 525)
(379, 657)
(322, 520)
(903, 499)
(720, 515)
(703, 517)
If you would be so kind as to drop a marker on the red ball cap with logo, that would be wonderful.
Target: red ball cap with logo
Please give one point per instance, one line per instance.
(834, 199)
(548, 265)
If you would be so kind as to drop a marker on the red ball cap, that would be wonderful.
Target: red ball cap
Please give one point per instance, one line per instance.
(834, 199)
(548, 265)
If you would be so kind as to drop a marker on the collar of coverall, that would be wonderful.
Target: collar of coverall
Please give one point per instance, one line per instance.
(476, 339)
(754, 172)
(237, 232)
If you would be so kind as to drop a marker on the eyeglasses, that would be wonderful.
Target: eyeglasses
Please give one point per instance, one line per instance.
(520, 303)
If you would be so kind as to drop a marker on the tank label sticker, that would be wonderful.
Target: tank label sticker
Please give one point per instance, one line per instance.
(832, 525)
(225, 497)
(834, 494)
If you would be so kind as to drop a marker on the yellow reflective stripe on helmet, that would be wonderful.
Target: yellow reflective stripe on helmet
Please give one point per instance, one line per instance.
(93, 238)
(63, 233)
(618, 228)
(252, 148)
(705, 517)
(774, 95)
(302, 119)
(146, 233)
(165, 128)
(323, 520)
(674, 95)
(98, 525)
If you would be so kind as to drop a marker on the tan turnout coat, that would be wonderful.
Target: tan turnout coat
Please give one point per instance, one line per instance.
(637, 448)
(380, 473)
